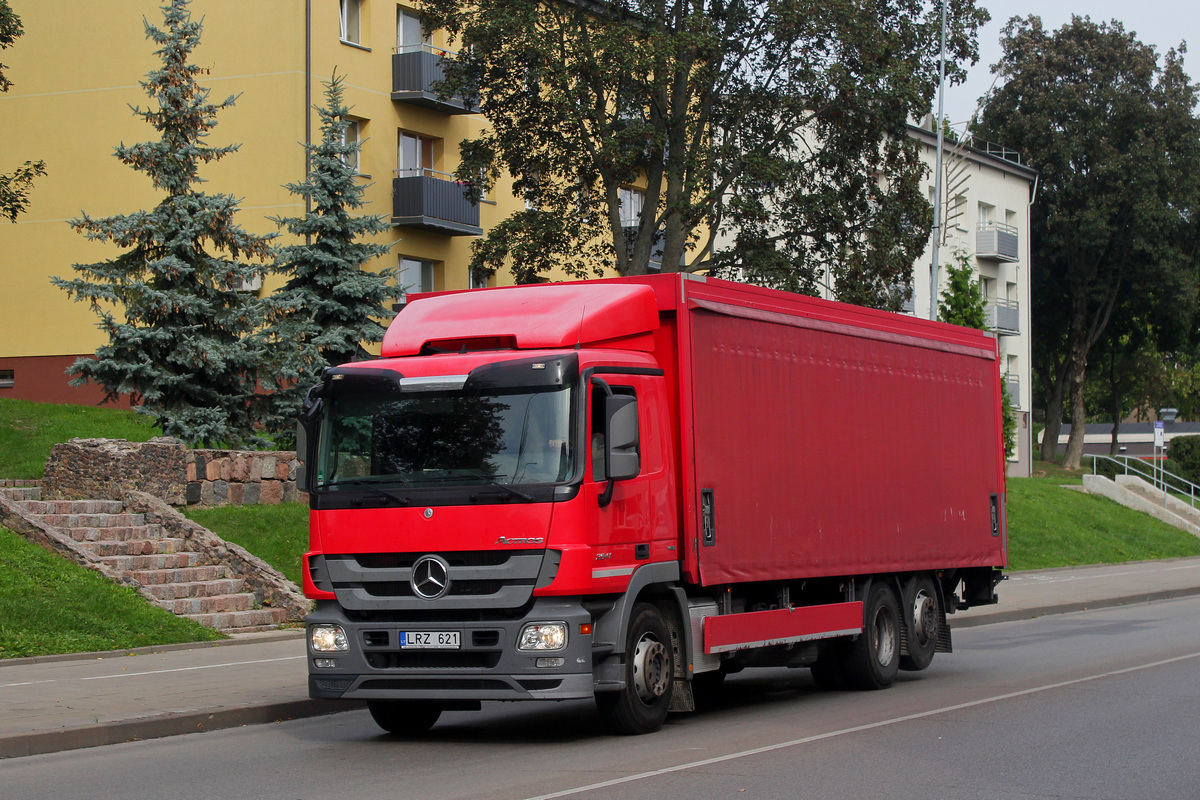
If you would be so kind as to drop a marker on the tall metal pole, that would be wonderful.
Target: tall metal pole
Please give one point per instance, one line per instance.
(937, 176)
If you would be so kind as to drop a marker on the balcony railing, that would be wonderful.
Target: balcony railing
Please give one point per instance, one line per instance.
(996, 241)
(429, 200)
(1004, 317)
(415, 71)
(1013, 382)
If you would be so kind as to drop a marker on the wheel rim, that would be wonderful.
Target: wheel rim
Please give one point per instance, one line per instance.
(650, 669)
(924, 619)
(883, 632)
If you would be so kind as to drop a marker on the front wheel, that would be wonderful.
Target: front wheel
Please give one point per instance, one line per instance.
(641, 707)
(873, 659)
(404, 717)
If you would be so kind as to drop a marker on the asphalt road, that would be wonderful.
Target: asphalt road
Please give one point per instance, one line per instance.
(1103, 705)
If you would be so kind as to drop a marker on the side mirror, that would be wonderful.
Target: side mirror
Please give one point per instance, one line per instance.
(621, 437)
(309, 416)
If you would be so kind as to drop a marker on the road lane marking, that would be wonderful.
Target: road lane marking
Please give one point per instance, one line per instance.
(857, 729)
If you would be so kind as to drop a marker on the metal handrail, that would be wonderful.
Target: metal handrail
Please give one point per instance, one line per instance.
(992, 225)
(1159, 478)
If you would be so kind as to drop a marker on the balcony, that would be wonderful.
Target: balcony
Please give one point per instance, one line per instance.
(995, 241)
(430, 201)
(415, 71)
(1004, 317)
(1013, 383)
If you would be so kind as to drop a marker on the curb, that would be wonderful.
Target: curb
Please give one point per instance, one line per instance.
(987, 618)
(169, 725)
(235, 639)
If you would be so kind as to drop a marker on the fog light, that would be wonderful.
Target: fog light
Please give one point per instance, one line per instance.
(328, 638)
(325, 663)
(543, 636)
(551, 662)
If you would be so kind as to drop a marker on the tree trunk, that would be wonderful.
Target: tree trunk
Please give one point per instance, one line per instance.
(1114, 408)
(1077, 346)
(1054, 411)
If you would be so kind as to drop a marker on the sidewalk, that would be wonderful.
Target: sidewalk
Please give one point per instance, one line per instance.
(66, 702)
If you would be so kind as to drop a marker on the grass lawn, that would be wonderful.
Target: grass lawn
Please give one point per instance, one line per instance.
(51, 605)
(29, 430)
(276, 534)
(1049, 526)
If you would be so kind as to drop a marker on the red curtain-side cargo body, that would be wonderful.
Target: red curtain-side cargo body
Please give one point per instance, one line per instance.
(832, 439)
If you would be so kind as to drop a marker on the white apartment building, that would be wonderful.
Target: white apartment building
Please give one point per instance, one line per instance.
(987, 194)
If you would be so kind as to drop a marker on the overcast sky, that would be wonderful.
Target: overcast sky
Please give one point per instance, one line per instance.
(1162, 23)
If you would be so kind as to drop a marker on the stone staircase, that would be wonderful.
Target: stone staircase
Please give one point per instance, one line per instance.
(182, 573)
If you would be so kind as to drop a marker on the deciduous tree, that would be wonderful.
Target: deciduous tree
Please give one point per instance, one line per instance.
(15, 185)
(1111, 129)
(780, 122)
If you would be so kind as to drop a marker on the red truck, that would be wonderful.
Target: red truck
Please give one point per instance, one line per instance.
(627, 489)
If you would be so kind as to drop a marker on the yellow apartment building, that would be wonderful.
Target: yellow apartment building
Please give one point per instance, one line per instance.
(75, 75)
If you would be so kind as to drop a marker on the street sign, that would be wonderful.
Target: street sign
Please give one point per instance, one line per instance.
(1158, 433)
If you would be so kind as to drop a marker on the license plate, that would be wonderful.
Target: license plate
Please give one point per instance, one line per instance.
(430, 640)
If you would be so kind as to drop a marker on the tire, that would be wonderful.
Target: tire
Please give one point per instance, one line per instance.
(921, 625)
(641, 707)
(404, 717)
(873, 659)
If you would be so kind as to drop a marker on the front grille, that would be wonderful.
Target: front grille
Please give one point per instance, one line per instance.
(333, 684)
(375, 582)
(437, 684)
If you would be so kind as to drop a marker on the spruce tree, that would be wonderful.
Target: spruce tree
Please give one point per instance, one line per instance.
(173, 303)
(329, 305)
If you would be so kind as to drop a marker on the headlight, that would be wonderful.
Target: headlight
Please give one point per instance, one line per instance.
(327, 638)
(543, 636)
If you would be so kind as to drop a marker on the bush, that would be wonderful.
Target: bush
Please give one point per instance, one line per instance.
(1185, 457)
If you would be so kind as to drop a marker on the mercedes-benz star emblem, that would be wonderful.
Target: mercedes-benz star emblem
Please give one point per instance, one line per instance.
(430, 577)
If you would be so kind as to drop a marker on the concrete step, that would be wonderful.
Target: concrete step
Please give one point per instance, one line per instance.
(159, 577)
(93, 520)
(119, 534)
(179, 590)
(220, 604)
(73, 506)
(167, 561)
(135, 547)
(241, 620)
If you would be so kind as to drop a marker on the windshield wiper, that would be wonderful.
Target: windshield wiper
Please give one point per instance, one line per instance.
(370, 486)
(506, 490)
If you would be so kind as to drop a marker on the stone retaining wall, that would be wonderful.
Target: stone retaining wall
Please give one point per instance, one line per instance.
(165, 468)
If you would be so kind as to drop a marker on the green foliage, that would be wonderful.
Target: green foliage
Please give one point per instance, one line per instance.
(276, 534)
(962, 299)
(51, 605)
(15, 185)
(1185, 457)
(1113, 134)
(329, 305)
(182, 350)
(781, 123)
(28, 431)
(1049, 526)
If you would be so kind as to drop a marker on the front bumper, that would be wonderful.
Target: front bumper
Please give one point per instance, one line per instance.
(487, 666)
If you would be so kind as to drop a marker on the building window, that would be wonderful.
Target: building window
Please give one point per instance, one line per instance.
(415, 157)
(632, 201)
(8, 378)
(353, 136)
(351, 18)
(414, 275)
(477, 280)
(409, 37)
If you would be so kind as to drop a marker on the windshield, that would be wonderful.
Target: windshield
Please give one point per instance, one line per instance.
(375, 436)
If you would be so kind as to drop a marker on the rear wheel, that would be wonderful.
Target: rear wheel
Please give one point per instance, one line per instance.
(404, 717)
(873, 659)
(921, 622)
(641, 707)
